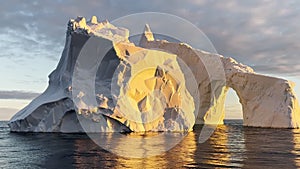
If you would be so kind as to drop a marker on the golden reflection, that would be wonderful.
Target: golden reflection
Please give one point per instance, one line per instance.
(180, 155)
(176, 157)
(296, 151)
(187, 153)
(214, 151)
(229, 146)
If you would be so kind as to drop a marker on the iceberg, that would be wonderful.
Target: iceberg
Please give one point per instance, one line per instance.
(145, 88)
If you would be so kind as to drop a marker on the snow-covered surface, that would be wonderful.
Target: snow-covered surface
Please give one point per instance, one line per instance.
(102, 29)
(133, 105)
(266, 101)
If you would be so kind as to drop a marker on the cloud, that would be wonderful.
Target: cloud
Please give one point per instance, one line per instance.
(256, 32)
(14, 94)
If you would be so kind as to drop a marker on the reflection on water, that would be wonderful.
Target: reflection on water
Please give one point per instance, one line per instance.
(175, 157)
(222, 149)
(138, 145)
(296, 150)
(270, 147)
(231, 146)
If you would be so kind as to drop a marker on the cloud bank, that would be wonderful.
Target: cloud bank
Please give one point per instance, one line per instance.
(263, 34)
(22, 95)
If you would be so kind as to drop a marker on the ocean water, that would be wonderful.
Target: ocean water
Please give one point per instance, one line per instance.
(231, 146)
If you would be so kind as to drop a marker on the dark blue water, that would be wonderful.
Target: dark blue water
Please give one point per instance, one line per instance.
(231, 146)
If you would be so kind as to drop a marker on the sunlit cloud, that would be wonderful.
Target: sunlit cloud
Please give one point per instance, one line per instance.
(261, 33)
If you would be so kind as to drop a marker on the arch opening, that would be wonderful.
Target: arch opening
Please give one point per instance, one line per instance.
(233, 108)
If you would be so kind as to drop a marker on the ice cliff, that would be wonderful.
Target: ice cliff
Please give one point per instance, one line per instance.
(158, 98)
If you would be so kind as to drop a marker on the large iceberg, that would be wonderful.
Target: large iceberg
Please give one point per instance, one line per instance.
(151, 91)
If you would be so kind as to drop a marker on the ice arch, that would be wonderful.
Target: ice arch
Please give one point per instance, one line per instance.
(266, 101)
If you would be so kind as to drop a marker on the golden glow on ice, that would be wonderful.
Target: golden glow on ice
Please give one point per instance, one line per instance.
(155, 95)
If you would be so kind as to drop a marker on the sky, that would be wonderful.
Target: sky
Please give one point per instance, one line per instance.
(263, 34)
